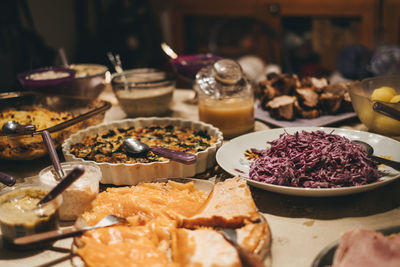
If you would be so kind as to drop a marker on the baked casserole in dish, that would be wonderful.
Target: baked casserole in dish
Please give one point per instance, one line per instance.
(59, 115)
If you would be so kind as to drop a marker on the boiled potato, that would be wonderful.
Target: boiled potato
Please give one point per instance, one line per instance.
(395, 99)
(386, 125)
(383, 93)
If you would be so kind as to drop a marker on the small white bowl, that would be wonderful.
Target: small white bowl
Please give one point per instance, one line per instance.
(132, 174)
(77, 197)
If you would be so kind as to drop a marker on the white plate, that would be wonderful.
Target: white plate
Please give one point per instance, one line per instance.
(231, 158)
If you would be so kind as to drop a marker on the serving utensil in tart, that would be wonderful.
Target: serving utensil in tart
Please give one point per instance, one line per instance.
(109, 220)
(136, 147)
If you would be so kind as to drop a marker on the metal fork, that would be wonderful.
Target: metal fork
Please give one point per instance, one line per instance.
(67, 232)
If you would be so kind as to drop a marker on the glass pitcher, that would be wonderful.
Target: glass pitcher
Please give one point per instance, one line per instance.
(226, 98)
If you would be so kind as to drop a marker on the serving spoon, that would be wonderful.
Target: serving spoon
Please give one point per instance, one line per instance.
(7, 179)
(370, 150)
(136, 148)
(109, 220)
(61, 186)
(13, 127)
(386, 110)
(63, 57)
(53, 155)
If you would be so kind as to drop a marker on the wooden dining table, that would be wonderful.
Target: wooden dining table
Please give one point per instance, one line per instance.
(301, 227)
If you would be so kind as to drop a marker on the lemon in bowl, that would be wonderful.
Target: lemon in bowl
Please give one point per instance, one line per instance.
(365, 93)
(384, 93)
(395, 99)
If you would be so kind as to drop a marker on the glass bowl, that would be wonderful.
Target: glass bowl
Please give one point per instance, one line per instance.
(89, 80)
(20, 216)
(144, 92)
(30, 146)
(360, 94)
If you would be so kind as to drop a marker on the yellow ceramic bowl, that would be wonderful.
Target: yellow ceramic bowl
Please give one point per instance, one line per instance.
(360, 94)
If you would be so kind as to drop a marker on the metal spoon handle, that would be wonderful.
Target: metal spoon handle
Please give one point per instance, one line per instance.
(118, 68)
(25, 129)
(179, 156)
(48, 236)
(53, 154)
(63, 57)
(115, 61)
(7, 179)
(386, 110)
(168, 50)
(391, 163)
(61, 186)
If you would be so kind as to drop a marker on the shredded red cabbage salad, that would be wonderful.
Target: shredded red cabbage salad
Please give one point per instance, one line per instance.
(314, 160)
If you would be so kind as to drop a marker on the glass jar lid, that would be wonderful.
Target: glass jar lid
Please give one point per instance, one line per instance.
(224, 78)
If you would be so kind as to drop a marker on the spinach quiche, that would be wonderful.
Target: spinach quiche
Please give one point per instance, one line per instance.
(106, 146)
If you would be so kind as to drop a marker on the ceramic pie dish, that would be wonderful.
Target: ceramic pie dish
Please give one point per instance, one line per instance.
(132, 174)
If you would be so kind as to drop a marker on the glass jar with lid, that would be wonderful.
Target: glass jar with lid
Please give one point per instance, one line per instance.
(226, 98)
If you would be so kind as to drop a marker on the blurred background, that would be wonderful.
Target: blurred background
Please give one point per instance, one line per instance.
(342, 39)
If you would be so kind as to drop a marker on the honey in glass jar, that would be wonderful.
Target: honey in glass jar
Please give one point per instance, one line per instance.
(226, 98)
